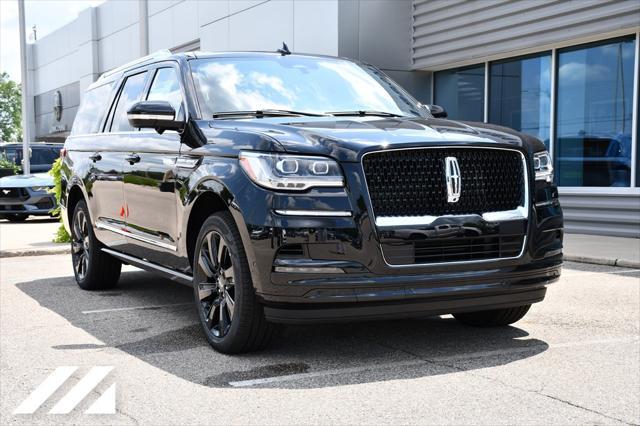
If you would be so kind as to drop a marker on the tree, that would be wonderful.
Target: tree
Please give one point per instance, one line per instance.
(10, 109)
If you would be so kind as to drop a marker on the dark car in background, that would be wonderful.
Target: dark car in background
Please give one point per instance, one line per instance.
(43, 154)
(295, 189)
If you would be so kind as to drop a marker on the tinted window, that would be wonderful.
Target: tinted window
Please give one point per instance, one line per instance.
(594, 114)
(130, 94)
(461, 92)
(520, 95)
(166, 87)
(14, 154)
(305, 84)
(92, 110)
(44, 154)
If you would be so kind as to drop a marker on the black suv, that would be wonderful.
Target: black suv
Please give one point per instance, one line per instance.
(293, 188)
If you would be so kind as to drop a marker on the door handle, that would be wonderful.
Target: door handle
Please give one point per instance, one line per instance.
(95, 157)
(133, 158)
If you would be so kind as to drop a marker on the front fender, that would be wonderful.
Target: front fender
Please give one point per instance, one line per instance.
(222, 177)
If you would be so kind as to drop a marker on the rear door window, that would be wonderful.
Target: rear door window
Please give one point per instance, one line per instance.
(130, 94)
(92, 110)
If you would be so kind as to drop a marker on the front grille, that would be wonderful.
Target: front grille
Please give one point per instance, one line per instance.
(440, 250)
(8, 193)
(412, 182)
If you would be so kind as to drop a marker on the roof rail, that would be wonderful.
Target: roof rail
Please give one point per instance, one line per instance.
(155, 55)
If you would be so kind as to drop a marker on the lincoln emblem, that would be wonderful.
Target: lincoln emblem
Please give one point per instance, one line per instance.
(454, 180)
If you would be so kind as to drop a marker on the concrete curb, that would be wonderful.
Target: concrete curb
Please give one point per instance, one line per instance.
(624, 263)
(36, 251)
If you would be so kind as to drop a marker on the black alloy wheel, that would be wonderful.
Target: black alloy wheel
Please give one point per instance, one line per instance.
(230, 314)
(80, 245)
(93, 268)
(216, 292)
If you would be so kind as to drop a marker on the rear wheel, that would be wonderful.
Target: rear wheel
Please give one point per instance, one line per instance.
(231, 317)
(493, 318)
(93, 268)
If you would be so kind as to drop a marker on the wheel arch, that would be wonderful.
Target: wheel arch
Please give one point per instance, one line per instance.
(74, 195)
(206, 203)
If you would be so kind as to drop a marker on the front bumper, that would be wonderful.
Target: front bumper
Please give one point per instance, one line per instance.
(26, 201)
(308, 268)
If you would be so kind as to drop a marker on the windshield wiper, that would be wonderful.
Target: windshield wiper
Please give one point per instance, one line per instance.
(260, 113)
(364, 113)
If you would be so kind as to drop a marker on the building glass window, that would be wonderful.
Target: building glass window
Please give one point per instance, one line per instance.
(594, 114)
(520, 95)
(461, 92)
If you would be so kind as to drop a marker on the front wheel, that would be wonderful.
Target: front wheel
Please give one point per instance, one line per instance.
(231, 317)
(93, 268)
(493, 318)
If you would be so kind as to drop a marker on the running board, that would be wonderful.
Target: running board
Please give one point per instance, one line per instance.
(151, 267)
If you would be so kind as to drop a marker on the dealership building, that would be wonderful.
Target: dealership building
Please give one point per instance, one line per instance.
(563, 71)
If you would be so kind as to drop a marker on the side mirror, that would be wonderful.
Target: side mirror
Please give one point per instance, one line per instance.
(158, 115)
(437, 111)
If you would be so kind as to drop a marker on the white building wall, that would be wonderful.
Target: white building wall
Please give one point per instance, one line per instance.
(307, 26)
(107, 36)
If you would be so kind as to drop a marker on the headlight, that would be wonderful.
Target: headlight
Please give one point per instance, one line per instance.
(41, 188)
(543, 166)
(290, 172)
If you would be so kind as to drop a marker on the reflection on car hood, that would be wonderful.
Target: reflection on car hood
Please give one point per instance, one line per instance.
(347, 138)
(24, 181)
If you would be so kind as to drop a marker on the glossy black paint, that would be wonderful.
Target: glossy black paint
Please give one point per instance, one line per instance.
(153, 200)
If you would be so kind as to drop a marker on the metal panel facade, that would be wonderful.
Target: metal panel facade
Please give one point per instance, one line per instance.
(602, 214)
(448, 32)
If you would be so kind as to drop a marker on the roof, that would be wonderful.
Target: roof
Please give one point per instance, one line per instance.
(163, 55)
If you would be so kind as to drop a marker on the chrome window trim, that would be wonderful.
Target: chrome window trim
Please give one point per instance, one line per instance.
(519, 213)
(150, 117)
(321, 213)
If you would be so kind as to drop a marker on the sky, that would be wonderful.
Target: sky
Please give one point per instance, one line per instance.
(46, 15)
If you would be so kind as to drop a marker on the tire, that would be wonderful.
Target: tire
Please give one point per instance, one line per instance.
(17, 217)
(93, 268)
(493, 318)
(229, 312)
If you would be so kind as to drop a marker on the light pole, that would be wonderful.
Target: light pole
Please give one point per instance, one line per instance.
(26, 133)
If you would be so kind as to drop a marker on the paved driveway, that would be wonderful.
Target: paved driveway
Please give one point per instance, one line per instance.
(573, 359)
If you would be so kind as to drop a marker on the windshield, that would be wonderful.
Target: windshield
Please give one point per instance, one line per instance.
(295, 83)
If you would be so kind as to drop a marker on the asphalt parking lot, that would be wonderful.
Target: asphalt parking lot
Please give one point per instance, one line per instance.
(574, 359)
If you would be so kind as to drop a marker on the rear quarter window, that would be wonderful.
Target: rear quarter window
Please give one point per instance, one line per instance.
(92, 110)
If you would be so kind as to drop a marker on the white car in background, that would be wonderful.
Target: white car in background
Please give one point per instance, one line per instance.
(22, 196)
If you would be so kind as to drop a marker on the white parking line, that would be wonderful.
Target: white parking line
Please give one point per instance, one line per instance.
(417, 362)
(133, 308)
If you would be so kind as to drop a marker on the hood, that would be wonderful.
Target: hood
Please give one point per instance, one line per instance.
(24, 181)
(346, 139)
